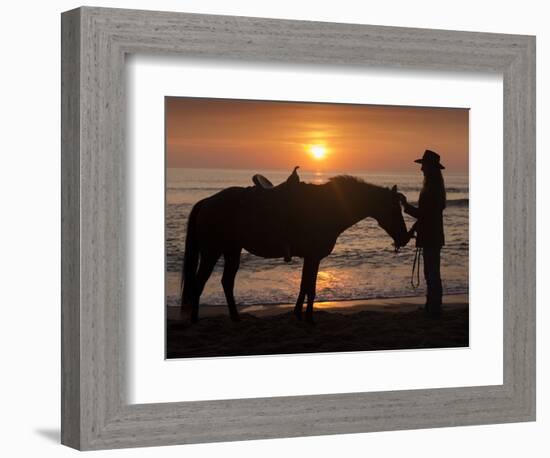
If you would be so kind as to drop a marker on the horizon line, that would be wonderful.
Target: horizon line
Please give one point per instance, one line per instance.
(303, 169)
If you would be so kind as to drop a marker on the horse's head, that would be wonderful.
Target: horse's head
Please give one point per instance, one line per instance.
(390, 218)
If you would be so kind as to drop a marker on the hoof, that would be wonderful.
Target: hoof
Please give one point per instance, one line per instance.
(235, 318)
(298, 315)
(309, 319)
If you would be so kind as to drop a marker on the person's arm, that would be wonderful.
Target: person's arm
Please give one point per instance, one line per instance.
(408, 208)
(411, 210)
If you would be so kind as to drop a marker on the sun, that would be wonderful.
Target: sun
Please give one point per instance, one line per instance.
(318, 152)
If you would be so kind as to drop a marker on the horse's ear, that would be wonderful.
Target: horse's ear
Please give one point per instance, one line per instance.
(394, 189)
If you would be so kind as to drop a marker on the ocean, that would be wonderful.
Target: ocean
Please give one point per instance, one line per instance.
(363, 264)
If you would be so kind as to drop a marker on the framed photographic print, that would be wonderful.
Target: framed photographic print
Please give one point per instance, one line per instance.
(307, 217)
(337, 212)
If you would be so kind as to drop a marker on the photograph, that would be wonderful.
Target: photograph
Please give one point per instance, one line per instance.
(301, 227)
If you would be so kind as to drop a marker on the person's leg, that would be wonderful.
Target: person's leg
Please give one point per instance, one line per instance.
(427, 262)
(432, 261)
(437, 286)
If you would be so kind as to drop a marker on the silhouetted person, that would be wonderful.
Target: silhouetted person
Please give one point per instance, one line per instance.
(429, 226)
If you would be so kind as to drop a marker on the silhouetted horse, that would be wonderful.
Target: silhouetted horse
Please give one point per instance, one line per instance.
(245, 217)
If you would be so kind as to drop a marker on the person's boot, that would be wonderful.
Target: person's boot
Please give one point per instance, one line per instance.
(434, 307)
(429, 300)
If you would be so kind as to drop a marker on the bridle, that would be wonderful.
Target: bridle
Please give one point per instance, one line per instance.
(416, 267)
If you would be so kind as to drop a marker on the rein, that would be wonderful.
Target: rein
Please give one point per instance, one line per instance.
(416, 267)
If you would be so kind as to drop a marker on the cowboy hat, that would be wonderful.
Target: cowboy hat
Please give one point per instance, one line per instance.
(431, 158)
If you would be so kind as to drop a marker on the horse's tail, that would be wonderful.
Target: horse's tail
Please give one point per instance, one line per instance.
(190, 259)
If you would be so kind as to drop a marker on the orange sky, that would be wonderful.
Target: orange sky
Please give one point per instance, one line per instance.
(219, 133)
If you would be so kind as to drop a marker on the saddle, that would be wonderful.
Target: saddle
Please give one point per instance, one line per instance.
(263, 183)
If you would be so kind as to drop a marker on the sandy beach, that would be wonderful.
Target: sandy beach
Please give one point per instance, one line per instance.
(360, 325)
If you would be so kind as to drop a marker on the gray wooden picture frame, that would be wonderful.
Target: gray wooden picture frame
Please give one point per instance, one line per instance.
(95, 412)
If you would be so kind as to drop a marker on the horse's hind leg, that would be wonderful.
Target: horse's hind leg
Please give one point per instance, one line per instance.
(313, 269)
(231, 266)
(302, 294)
(207, 263)
(307, 287)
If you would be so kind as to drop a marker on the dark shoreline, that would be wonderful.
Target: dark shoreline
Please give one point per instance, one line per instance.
(343, 303)
(341, 330)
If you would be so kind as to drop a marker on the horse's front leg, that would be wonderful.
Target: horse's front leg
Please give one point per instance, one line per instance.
(299, 304)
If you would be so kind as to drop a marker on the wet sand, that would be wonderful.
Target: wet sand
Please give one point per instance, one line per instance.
(361, 325)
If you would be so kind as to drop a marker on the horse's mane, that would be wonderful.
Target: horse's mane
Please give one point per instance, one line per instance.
(348, 181)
